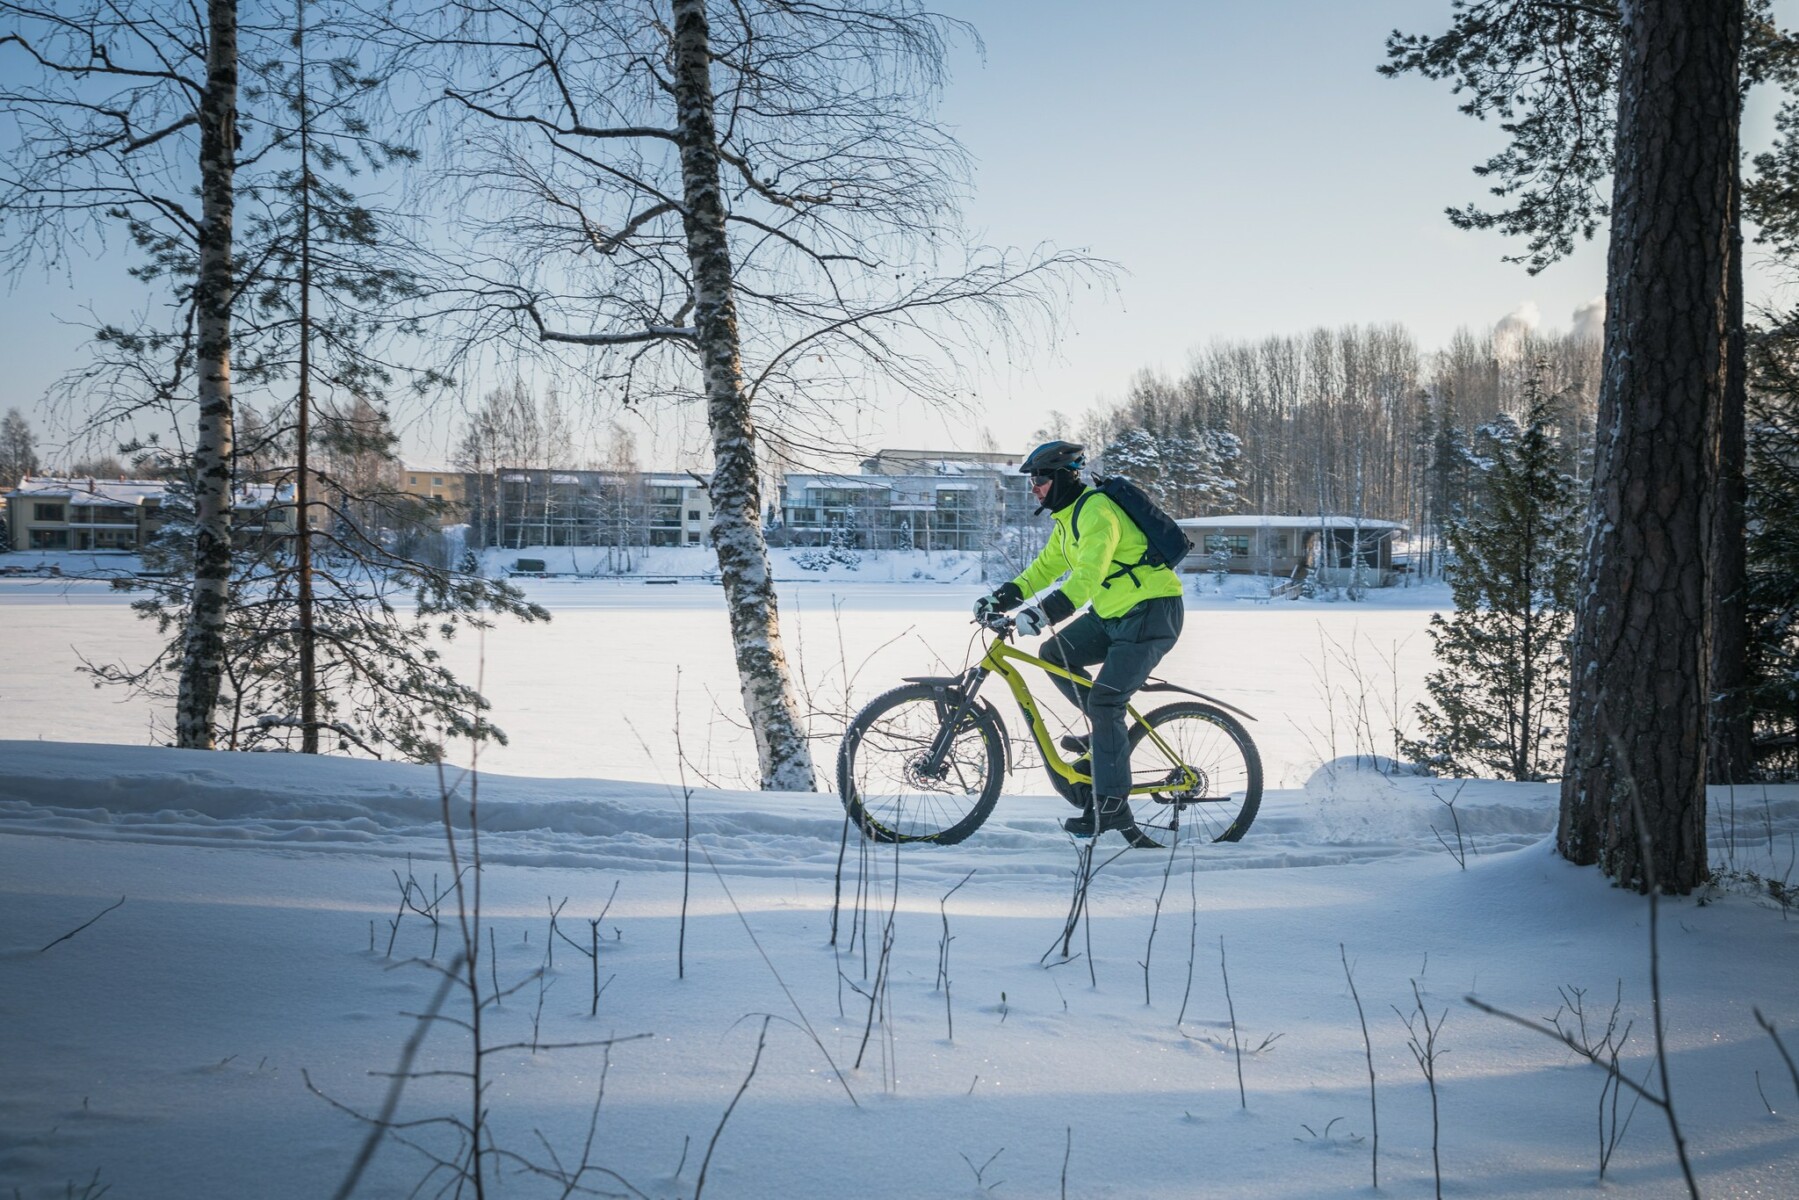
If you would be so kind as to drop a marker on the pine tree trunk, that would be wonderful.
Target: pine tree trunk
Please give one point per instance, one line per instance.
(1633, 794)
(1731, 756)
(307, 631)
(203, 658)
(768, 695)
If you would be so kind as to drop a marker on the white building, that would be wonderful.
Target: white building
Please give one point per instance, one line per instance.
(1335, 550)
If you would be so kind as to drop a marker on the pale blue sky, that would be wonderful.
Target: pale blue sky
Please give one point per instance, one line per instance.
(1241, 161)
(1251, 172)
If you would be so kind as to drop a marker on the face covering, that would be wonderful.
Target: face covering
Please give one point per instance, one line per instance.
(1064, 488)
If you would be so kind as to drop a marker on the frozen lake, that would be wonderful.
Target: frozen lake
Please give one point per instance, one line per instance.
(599, 691)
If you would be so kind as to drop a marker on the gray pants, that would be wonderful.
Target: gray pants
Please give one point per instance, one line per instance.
(1126, 649)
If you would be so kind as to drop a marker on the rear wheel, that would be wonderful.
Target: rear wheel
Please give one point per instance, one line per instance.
(889, 784)
(1212, 786)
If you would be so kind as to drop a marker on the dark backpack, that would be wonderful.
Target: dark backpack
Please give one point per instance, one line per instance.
(1168, 542)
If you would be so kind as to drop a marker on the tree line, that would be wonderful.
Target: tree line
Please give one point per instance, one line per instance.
(1357, 421)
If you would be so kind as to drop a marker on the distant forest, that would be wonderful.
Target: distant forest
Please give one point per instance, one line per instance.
(1355, 421)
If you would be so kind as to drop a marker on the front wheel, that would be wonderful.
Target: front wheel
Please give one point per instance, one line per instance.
(1211, 786)
(902, 781)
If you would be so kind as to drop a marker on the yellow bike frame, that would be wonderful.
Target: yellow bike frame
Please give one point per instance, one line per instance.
(1000, 659)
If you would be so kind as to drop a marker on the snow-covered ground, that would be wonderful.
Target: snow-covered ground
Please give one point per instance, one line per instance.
(184, 1044)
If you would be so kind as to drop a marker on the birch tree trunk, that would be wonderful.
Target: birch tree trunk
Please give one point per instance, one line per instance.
(202, 662)
(1633, 794)
(768, 695)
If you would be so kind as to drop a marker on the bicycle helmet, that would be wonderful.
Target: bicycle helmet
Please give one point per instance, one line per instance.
(1054, 456)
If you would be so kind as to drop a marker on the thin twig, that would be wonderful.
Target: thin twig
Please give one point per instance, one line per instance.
(1192, 930)
(949, 1015)
(380, 1124)
(65, 937)
(1242, 1095)
(761, 1040)
(1368, 1049)
(754, 941)
(1778, 1045)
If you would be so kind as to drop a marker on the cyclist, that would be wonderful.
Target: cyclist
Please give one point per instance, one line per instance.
(1135, 617)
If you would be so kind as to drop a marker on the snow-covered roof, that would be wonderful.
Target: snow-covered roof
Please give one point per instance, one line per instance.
(939, 462)
(1286, 521)
(141, 493)
(83, 492)
(845, 482)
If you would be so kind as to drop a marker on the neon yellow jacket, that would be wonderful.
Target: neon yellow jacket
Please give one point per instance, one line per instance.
(1109, 541)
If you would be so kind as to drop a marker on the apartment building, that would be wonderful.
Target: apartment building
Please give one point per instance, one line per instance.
(538, 507)
(908, 500)
(84, 514)
(47, 513)
(439, 484)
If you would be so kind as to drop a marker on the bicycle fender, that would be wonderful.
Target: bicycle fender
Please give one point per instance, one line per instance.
(952, 684)
(1162, 685)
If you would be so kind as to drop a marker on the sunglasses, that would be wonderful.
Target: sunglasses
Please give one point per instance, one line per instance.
(1039, 478)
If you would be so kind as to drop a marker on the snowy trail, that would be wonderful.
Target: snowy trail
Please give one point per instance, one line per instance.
(1347, 813)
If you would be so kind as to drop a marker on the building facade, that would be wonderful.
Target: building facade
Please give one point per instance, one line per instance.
(123, 515)
(518, 507)
(909, 500)
(447, 488)
(84, 514)
(1333, 550)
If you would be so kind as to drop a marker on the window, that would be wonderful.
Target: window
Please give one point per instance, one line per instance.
(437, 481)
(835, 497)
(412, 481)
(1234, 544)
(46, 512)
(49, 539)
(693, 514)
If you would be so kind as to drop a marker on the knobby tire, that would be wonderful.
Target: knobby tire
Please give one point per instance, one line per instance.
(883, 779)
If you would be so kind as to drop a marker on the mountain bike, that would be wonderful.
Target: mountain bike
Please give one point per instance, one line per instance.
(925, 761)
